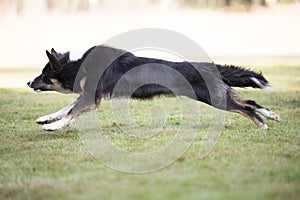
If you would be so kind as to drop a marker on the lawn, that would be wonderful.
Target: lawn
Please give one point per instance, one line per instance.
(246, 163)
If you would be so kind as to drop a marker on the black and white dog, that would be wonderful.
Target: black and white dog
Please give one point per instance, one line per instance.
(93, 81)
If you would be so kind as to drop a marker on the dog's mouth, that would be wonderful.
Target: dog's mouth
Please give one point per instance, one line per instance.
(37, 90)
(40, 87)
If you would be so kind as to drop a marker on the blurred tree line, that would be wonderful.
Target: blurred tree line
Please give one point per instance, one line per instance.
(230, 3)
(18, 6)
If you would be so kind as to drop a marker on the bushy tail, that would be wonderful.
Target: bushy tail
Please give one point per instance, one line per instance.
(240, 77)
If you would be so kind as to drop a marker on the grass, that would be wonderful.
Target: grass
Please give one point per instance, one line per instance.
(246, 163)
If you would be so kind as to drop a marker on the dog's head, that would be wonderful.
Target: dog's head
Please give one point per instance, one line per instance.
(49, 80)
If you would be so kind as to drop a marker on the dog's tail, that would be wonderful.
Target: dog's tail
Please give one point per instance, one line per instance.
(240, 77)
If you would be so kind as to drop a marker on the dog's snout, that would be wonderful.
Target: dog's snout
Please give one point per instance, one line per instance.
(29, 83)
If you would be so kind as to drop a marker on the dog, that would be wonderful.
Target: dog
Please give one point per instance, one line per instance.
(66, 76)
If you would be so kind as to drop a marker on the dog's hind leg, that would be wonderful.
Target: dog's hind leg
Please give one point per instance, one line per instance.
(233, 103)
(55, 116)
(249, 113)
(264, 111)
(236, 104)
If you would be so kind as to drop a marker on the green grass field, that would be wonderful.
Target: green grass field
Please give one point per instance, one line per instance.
(246, 163)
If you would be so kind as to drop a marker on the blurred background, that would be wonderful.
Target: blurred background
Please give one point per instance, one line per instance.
(224, 28)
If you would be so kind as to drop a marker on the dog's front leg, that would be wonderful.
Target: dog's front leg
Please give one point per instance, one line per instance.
(84, 103)
(55, 116)
(65, 121)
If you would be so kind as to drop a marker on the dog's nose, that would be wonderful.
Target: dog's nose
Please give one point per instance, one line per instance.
(29, 83)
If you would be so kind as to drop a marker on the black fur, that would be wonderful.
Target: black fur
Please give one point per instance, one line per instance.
(209, 82)
(66, 73)
(231, 75)
(239, 77)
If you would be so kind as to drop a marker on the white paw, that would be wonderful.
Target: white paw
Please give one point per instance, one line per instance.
(263, 127)
(57, 125)
(45, 119)
(275, 116)
(54, 116)
(269, 114)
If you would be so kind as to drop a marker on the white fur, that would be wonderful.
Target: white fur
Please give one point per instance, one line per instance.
(269, 114)
(55, 116)
(58, 124)
(265, 87)
(82, 83)
(264, 126)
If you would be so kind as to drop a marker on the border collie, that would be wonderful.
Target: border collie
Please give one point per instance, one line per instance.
(92, 80)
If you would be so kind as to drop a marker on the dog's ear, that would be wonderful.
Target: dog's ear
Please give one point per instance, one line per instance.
(53, 52)
(52, 58)
(64, 58)
(54, 62)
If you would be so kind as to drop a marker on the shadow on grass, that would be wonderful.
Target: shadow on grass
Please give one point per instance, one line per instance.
(69, 133)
